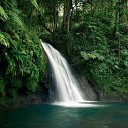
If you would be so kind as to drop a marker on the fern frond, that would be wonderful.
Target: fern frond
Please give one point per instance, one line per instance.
(92, 55)
(11, 64)
(16, 20)
(4, 39)
(3, 15)
(34, 3)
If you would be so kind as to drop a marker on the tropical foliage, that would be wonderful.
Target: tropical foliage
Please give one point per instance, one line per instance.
(22, 62)
(93, 34)
(96, 43)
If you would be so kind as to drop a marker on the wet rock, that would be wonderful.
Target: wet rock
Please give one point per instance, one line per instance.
(89, 91)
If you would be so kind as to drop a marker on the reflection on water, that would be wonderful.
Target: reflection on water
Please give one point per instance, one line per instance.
(97, 115)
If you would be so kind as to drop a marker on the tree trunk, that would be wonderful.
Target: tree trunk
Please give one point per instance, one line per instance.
(119, 47)
(67, 15)
(119, 18)
(126, 1)
(55, 16)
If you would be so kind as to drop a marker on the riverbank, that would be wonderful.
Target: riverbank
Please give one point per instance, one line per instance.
(41, 98)
(41, 95)
(18, 102)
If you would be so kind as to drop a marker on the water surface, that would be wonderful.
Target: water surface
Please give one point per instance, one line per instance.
(92, 115)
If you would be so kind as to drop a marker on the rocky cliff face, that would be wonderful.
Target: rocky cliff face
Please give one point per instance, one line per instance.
(92, 93)
(88, 90)
(45, 95)
(106, 97)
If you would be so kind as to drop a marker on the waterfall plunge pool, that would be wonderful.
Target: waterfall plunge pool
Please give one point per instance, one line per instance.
(83, 115)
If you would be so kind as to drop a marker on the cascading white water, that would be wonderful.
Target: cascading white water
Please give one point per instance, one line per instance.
(67, 86)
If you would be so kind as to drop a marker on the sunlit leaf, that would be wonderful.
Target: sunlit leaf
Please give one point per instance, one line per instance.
(34, 3)
(3, 14)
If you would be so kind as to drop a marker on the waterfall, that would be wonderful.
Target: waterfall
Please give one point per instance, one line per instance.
(67, 87)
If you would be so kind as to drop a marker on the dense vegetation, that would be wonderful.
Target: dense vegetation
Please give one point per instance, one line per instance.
(93, 33)
(22, 64)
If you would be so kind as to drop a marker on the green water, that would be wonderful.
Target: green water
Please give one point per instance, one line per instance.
(52, 116)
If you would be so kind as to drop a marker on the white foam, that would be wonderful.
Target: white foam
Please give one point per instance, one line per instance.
(78, 105)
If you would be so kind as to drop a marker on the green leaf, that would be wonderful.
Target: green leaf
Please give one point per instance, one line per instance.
(3, 14)
(11, 65)
(126, 63)
(92, 56)
(15, 19)
(84, 55)
(34, 3)
(87, 56)
(3, 39)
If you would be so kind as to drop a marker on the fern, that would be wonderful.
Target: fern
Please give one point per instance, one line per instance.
(4, 39)
(11, 69)
(31, 84)
(15, 20)
(34, 3)
(88, 56)
(3, 15)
